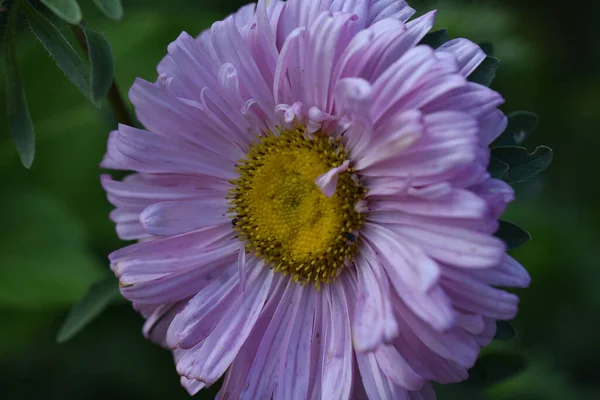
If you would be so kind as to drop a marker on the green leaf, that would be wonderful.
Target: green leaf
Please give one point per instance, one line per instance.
(512, 234)
(19, 119)
(45, 261)
(520, 125)
(505, 331)
(485, 72)
(498, 169)
(101, 61)
(487, 48)
(436, 38)
(61, 50)
(494, 368)
(98, 297)
(67, 10)
(5, 13)
(113, 9)
(523, 165)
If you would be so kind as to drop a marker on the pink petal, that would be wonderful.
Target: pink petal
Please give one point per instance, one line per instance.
(467, 54)
(373, 321)
(336, 370)
(175, 217)
(293, 380)
(266, 366)
(327, 182)
(220, 348)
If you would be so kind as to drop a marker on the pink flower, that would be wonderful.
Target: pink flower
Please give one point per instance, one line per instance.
(312, 206)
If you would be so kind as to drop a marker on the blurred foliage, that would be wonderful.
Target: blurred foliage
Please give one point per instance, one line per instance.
(56, 233)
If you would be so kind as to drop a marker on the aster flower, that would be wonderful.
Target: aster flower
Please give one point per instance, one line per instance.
(312, 206)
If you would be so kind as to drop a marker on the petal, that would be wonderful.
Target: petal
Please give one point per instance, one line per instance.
(235, 379)
(173, 246)
(336, 370)
(404, 260)
(157, 323)
(202, 313)
(509, 273)
(293, 380)
(396, 369)
(373, 321)
(415, 31)
(456, 204)
(492, 124)
(467, 54)
(327, 38)
(220, 348)
(431, 305)
(175, 217)
(475, 296)
(376, 384)
(453, 344)
(165, 287)
(380, 9)
(266, 367)
(327, 182)
(453, 245)
(144, 151)
(169, 116)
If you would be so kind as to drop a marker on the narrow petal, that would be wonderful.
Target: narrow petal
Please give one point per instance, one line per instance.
(220, 348)
(266, 366)
(176, 217)
(373, 321)
(432, 305)
(453, 245)
(328, 181)
(380, 9)
(407, 261)
(293, 380)
(202, 313)
(509, 273)
(467, 54)
(144, 151)
(475, 296)
(173, 246)
(235, 379)
(396, 369)
(456, 204)
(336, 373)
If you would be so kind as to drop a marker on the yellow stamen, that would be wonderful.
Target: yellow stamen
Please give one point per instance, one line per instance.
(283, 216)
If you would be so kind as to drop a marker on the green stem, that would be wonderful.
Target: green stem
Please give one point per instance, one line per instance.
(114, 96)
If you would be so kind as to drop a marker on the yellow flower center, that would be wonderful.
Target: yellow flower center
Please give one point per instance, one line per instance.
(285, 218)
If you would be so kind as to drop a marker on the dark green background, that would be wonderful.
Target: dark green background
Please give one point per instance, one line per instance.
(55, 232)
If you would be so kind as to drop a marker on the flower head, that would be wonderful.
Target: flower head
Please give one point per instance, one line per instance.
(312, 205)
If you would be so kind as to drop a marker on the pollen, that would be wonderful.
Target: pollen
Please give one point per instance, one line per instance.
(284, 217)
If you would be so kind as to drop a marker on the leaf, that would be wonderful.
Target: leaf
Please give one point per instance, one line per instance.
(505, 331)
(498, 169)
(67, 10)
(485, 72)
(5, 14)
(61, 51)
(520, 125)
(45, 262)
(494, 368)
(436, 38)
(101, 61)
(487, 48)
(523, 165)
(113, 9)
(512, 234)
(19, 119)
(98, 297)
